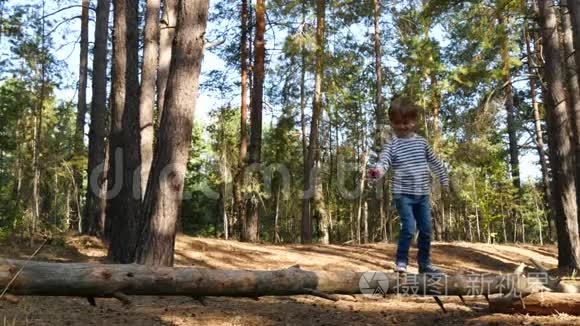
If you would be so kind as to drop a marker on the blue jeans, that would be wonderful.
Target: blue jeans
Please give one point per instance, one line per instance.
(414, 209)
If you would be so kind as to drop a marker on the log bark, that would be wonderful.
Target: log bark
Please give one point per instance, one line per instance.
(545, 303)
(107, 280)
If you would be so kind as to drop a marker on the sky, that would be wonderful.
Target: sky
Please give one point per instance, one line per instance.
(66, 39)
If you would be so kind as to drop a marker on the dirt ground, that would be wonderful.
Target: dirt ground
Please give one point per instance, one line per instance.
(290, 310)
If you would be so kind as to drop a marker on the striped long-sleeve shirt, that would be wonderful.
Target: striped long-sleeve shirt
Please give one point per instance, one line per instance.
(410, 159)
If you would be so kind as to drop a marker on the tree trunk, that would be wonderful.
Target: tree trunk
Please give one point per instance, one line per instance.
(96, 170)
(162, 204)
(538, 214)
(306, 220)
(82, 103)
(166, 35)
(239, 182)
(361, 187)
(509, 102)
(477, 210)
(310, 177)
(380, 117)
(147, 90)
(251, 231)
(38, 137)
(124, 198)
(319, 206)
(36, 170)
(303, 90)
(568, 25)
(17, 190)
(119, 280)
(84, 53)
(505, 238)
(83, 63)
(561, 158)
(365, 218)
(225, 180)
(539, 138)
(276, 216)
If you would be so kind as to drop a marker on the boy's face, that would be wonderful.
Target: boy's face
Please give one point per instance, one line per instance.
(404, 126)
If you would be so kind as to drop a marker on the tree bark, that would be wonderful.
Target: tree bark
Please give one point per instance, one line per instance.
(509, 102)
(545, 303)
(81, 105)
(147, 90)
(166, 35)
(38, 136)
(539, 138)
(103, 280)
(574, 21)
(564, 190)
(239, 182)
(380, 116)
(162, 205)
(361, 199)
(83, 63)
(251, 231)
(94, 213)
(124, 195)
(310, 177)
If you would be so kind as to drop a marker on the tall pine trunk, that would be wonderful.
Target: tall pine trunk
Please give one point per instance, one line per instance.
(380, 116)
(539, 138)
(310, 178)
(82, 104)
(124, 197)
(147, 90)
(509, 102)
(83, 64)
(239, 182)
(251, 230)
(574, 14)
(361, 198)
(162, 205)
(562, 160)
(94, 213)
(166, 35)
(41, 74)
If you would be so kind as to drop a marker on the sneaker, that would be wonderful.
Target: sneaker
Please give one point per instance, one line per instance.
(429, 269)
(401, 267)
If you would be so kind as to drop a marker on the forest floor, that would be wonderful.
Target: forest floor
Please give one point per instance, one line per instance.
(283, 310)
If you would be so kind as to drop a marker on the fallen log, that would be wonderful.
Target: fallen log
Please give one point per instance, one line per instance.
(107, 280)
(545, 303)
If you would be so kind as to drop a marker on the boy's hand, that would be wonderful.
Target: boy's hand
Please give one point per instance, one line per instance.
(374, 173)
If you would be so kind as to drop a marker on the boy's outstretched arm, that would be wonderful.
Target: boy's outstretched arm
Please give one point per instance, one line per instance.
(384, 162)
(437, 167)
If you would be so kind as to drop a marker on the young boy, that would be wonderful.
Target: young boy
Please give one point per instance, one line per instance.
(410, 157)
